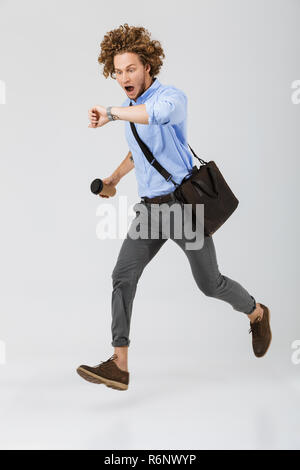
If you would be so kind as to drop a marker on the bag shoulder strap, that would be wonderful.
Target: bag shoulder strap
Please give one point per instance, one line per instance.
(152, 160)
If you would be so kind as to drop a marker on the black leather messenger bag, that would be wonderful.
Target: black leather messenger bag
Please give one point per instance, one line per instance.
(205, 185)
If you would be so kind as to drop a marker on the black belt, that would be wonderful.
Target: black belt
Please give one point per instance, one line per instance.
(160, 199)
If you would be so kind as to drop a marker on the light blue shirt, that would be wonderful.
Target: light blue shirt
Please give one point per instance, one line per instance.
(165, 136)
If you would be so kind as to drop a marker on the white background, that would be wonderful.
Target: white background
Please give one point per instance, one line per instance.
(195, 382)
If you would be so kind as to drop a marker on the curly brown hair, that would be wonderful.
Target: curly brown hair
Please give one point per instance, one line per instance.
(130, 39)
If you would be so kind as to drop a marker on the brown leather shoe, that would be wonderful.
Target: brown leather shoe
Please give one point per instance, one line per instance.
(107, 372)
(261, 333)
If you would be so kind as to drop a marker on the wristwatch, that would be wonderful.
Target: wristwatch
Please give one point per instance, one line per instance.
(109, 115)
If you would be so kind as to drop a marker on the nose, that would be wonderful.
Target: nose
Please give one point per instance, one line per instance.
(125, 79)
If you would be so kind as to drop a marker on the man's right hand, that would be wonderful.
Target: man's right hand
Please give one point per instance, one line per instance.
(111, 180)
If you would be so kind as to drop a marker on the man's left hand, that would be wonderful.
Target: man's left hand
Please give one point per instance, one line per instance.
(98, 116)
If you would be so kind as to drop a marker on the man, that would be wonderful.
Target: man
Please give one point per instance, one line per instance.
(159, 113)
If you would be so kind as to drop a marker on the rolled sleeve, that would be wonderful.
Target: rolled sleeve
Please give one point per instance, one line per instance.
(167, 109)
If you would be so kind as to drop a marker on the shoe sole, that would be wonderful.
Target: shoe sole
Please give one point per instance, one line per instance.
(96, 379)
(269, 316)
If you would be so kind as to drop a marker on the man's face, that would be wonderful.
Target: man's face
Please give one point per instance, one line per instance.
(130, 72)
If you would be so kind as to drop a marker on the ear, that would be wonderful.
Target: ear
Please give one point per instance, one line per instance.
(147, 68)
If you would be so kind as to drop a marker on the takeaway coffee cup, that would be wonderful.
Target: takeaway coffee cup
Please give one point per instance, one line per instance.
(97, 187)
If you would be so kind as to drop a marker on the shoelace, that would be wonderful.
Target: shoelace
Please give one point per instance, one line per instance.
(112, 358)
(255, 327)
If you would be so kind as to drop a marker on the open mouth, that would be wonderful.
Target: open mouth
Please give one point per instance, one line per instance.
(129, 88)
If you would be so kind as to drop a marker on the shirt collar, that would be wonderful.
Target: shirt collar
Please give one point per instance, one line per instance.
(149, 92)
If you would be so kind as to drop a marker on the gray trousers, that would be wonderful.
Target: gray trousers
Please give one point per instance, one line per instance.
(135, 254)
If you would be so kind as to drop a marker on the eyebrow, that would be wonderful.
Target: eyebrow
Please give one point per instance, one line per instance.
(126, 66)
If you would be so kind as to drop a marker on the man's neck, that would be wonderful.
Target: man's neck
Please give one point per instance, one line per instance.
(145, 89)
